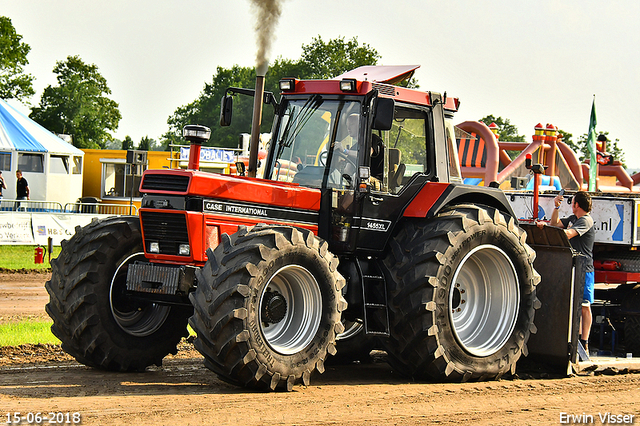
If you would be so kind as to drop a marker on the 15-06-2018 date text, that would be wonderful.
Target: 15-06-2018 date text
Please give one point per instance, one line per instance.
(33, 418)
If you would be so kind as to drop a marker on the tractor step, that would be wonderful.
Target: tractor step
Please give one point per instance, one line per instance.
(374, 297)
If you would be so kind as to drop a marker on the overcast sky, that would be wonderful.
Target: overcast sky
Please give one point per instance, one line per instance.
(529, 61)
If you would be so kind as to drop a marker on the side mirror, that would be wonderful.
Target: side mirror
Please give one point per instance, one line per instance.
(383, 118)
(226, 110)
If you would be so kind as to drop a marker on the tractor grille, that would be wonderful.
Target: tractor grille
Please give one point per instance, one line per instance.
(164, 182)
(169, 230)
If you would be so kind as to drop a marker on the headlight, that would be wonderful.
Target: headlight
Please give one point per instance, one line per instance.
(154, 248)
(184, 250)
(348, 85)
(212, 239)
(287, 84)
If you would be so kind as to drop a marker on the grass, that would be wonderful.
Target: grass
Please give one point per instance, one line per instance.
(28, 331)
(22, 257)
(34, 332)
(23, 332)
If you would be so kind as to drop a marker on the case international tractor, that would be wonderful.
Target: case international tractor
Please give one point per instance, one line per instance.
(359, 228)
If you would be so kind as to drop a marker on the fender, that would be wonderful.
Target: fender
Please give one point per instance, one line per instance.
(434, 196)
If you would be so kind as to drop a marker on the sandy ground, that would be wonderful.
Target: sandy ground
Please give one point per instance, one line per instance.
(22, 295)
(42, 379)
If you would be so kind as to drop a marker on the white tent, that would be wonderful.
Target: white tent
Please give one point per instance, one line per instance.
(52, 167)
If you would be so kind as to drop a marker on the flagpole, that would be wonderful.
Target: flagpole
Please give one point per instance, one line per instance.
(591, 145)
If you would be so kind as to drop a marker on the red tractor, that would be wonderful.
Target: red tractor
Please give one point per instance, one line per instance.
(360, 228)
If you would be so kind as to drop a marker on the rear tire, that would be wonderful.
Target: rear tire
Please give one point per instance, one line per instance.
(267, 307)
(95, 321)
(462, 295)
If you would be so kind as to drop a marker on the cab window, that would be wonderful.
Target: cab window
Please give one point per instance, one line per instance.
(313, 135)
(405, 149)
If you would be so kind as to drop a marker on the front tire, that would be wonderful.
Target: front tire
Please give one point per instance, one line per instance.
(267, 307)
(97, 324)
(462, 295)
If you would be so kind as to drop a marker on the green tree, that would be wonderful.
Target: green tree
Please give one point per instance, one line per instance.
(319, 60)
(566, 137)
(507, 132)
(205, 110)
(326, 60)
(78, 105)
(581, 149)
(113, 144)
(127, 143)
(14, 82)
(147, 144)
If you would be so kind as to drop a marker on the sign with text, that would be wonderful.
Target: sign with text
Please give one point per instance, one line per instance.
(36, 228)
(209, 154)
(15, 228)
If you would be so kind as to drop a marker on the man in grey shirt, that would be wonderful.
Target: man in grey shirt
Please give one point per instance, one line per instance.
(581, 233)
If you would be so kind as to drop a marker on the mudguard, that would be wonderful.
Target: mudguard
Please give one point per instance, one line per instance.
(558, 319)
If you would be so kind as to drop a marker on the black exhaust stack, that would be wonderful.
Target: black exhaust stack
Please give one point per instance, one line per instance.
(255, 125)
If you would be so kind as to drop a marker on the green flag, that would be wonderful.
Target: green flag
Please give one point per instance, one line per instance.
(591, 144)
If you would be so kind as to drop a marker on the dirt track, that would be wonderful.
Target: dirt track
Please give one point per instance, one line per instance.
(37, 379)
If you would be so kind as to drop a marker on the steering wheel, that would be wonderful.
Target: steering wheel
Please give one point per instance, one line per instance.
(322, 159)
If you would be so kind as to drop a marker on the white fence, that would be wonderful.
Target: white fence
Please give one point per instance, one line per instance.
(31, 206)
(34, 222)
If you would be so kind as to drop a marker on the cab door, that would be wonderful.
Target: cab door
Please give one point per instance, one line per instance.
(408, 164)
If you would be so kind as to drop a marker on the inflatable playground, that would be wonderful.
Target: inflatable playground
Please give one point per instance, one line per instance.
(484, 160)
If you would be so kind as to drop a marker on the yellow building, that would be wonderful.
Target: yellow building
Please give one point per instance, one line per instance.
(112, 182)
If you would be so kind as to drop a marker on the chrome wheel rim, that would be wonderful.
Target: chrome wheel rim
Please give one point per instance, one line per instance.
(484, 300)
(292, 330)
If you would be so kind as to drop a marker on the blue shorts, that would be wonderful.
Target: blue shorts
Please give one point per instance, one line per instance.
(587, 297)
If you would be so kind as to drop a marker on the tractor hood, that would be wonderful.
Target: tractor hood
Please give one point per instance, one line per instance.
(230, 188)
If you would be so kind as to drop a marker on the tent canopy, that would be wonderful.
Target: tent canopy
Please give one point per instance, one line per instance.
(20, 133)
(52, 166)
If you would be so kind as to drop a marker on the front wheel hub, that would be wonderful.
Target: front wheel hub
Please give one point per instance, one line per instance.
(274, 307)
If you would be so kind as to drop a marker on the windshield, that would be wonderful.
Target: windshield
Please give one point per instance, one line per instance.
(315, 132)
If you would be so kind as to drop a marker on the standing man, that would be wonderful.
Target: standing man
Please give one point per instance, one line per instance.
(581, 233)
(2, 184)
(22, 189)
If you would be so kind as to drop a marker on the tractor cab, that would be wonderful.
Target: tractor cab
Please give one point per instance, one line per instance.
(368, 146)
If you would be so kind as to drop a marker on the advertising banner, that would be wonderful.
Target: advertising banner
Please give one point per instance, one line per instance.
(15, 228)
(36, 228)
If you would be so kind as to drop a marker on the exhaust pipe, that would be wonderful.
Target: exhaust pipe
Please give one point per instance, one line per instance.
(255, 125)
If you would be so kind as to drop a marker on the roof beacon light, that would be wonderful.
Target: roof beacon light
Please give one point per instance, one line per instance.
(195, 133)
(348, 85)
